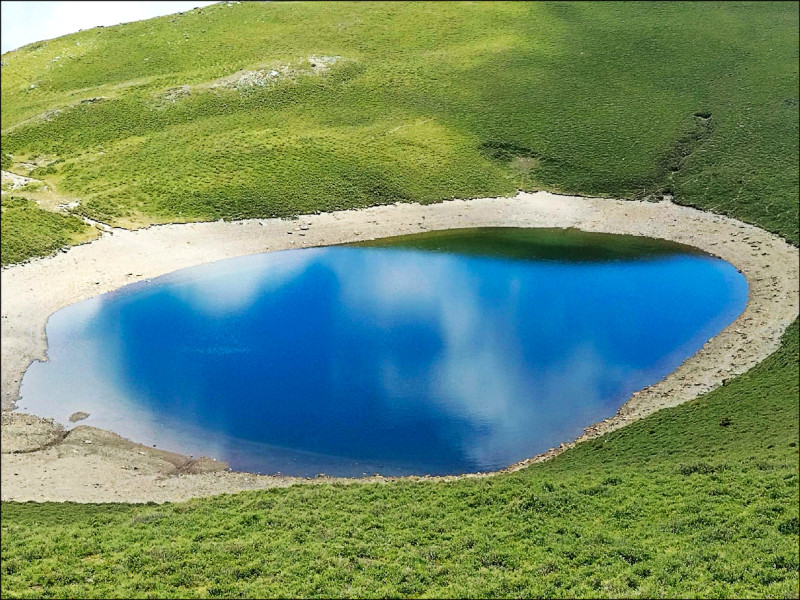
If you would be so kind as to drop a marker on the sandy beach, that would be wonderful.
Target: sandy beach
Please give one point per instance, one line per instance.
(41, 461)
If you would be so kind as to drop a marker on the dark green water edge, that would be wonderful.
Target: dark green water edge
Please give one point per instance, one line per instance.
(571, 245)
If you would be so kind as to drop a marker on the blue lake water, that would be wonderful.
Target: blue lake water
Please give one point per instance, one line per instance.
(445, 353)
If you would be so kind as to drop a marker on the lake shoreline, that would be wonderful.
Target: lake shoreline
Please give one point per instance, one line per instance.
(41, 462)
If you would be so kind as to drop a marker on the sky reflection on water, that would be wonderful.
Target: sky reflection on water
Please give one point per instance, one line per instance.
(350, 360)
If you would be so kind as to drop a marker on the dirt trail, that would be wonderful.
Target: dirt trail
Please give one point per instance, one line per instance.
(14, 181)
(41, 462)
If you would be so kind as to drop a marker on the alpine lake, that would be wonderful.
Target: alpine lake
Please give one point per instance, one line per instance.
(445, 352)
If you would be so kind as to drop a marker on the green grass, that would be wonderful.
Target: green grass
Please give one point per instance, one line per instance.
(695, 501)
(27, 230)
(425, 102)
(429, 102)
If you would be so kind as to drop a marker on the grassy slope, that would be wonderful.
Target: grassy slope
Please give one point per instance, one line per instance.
(700, 500)
(27, 230)
(426, 102)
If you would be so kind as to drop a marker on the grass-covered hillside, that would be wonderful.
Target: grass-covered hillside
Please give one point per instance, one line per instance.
(273, 109)
(27, 230)
(259, 109)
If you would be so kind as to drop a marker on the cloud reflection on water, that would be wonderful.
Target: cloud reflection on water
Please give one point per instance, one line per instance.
(401, 361)
(480, 373)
